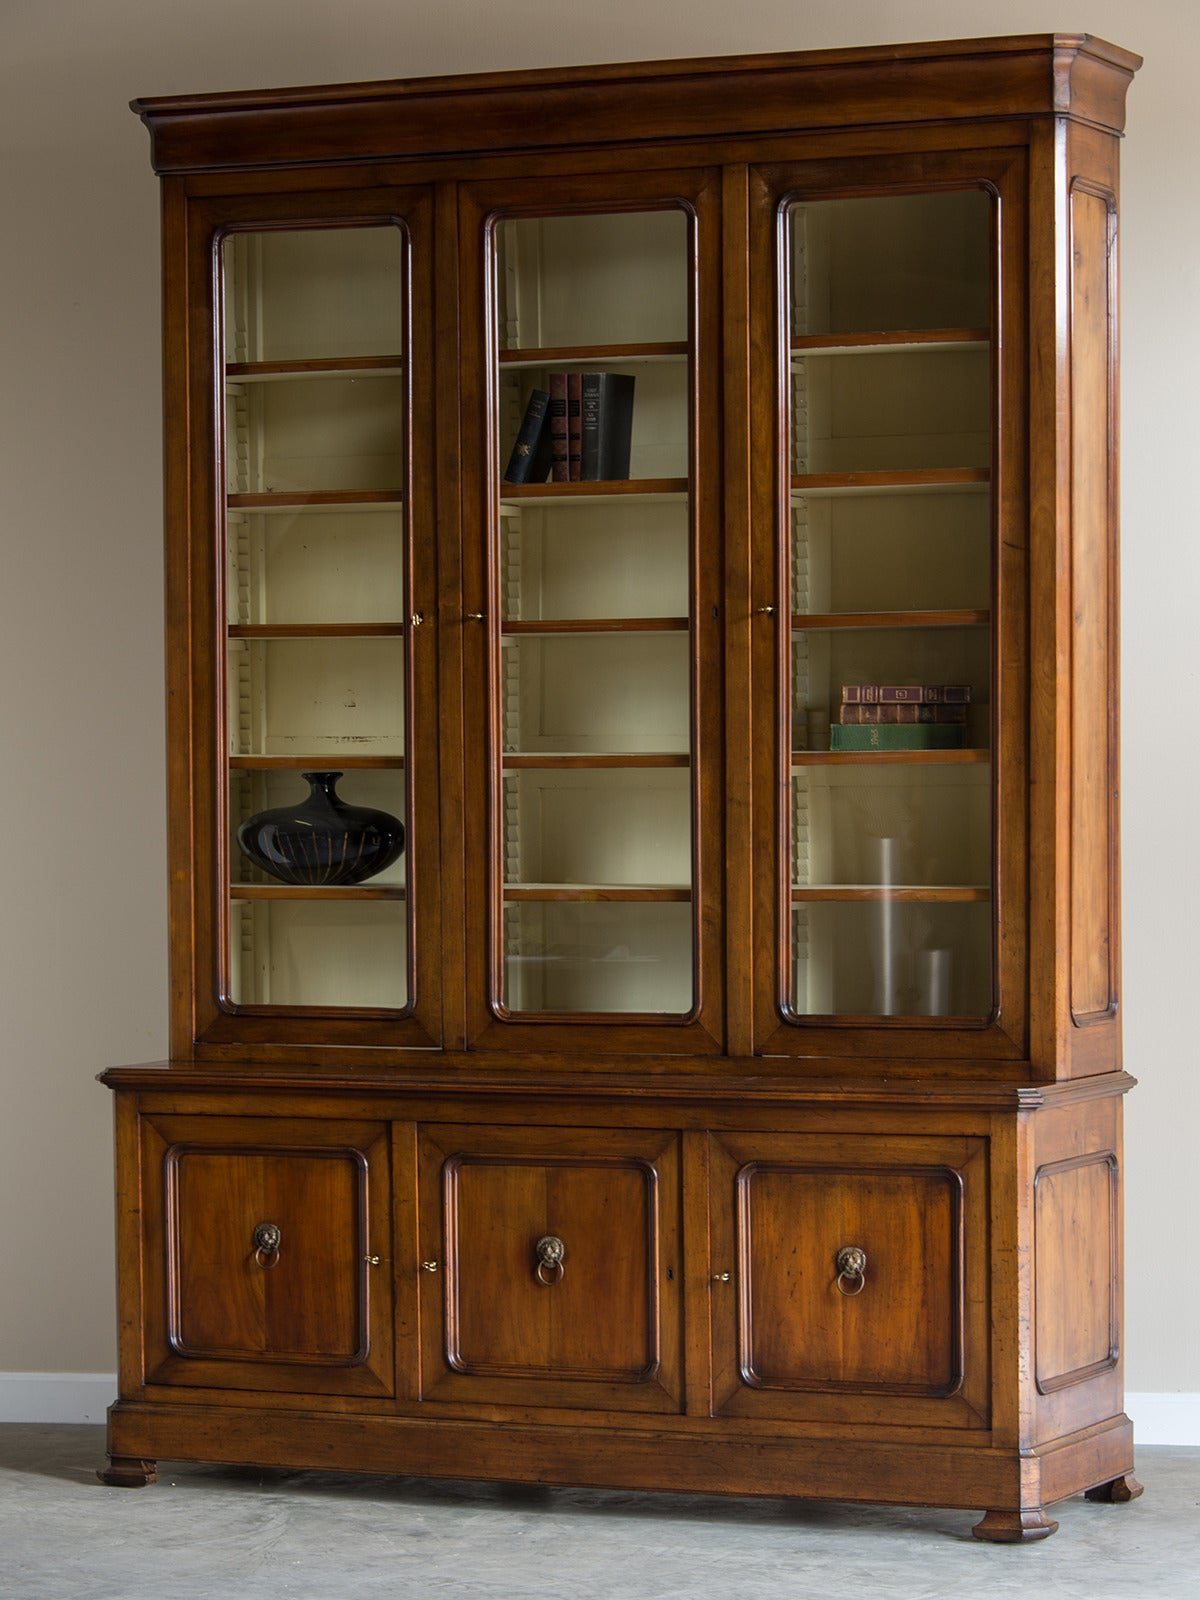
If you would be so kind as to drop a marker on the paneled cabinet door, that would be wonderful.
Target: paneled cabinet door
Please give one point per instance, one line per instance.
(267, 1255)
(850, 1279)
(550, 1267)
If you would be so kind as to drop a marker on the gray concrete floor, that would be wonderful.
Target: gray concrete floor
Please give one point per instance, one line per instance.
(204, 1532)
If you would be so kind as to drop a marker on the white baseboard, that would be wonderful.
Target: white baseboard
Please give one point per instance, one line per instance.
(85, 1396)
(1164, 1418)
(56, 1396)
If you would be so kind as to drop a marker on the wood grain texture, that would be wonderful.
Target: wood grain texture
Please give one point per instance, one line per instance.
(605, 1328)
(1093, 602)
(701, 1170)
(315, 1316)
(1019, 76)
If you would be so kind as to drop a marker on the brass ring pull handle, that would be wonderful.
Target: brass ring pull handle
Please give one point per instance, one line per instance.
(266, 1244)
(851, 1263)
(549, 1252)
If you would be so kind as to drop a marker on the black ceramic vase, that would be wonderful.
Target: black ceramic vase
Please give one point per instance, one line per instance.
(322, 840)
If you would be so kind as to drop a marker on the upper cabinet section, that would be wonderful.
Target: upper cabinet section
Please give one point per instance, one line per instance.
(628, 531)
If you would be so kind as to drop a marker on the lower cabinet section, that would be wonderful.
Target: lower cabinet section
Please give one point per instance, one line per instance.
(268, 1251)
(922, 1308)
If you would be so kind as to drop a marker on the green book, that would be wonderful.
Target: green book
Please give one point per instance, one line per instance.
(895, 736)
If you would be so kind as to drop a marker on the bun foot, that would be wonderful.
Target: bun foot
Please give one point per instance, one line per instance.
(1116, 1492)
(128, 1472)
(1015, 1527)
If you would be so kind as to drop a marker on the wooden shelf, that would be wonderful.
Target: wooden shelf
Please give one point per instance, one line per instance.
(617, 761)
(910, 480)
(342, 762)
(337, 891)
(311, 499)
(594, 355)
(598, 625)
(852, 893)
(316, 630)
(837, 758)
(317, 367)
(631, 894)
(892, 341)
(592, 488)
(804, 621)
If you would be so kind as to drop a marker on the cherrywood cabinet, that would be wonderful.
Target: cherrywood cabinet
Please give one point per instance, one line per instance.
(680, 499)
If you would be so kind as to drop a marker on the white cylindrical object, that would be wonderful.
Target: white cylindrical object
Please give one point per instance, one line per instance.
(887, 955)
(935, 970)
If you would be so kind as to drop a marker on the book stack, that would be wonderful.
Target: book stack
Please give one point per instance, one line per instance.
(577, 431)
(901, 716)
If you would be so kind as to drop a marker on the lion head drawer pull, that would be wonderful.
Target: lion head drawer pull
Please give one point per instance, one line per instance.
(266, 1244)
(851, 1262)
(549, 1252)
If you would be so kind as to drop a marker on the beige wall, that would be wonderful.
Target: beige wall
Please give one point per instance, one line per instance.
(82, 891)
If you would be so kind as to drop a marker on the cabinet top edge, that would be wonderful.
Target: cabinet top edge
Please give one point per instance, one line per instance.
(1019, 74)
(674, 1088)
(626, 71)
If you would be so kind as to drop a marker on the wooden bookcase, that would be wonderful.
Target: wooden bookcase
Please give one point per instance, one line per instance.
(705, 1099)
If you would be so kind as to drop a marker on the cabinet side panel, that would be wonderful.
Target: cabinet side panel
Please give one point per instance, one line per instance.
(1093, 704)
(1075, 1237)
(1076, 1261)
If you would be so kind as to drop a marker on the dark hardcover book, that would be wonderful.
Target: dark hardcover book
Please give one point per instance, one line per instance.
(532, 444)
(607, 426)
(902, 711)
(607, 419)
(560, 466)
(890, 736)
(574, 425)
(887, 693)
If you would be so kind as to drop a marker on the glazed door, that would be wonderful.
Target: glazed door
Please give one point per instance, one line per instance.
(591, 618)
(888, 607)
(310, 573)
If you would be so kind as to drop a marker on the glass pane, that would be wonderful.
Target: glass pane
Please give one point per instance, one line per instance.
(890, 957)
(596, 693)
(914, 261)
(927, 550)
(317, 699)
(589, 557)
(598, 957)
(306, 564)
(334, 954)
(891, 576)
(582, 826)
(594, 577)
(313, 294)
(318, 432)
(254, 790)
(866, 411)
(831, 668)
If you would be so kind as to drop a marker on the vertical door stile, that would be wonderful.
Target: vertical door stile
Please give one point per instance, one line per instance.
(741, 340)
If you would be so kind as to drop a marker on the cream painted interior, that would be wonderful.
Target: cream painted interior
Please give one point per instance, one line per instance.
(83, 979)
